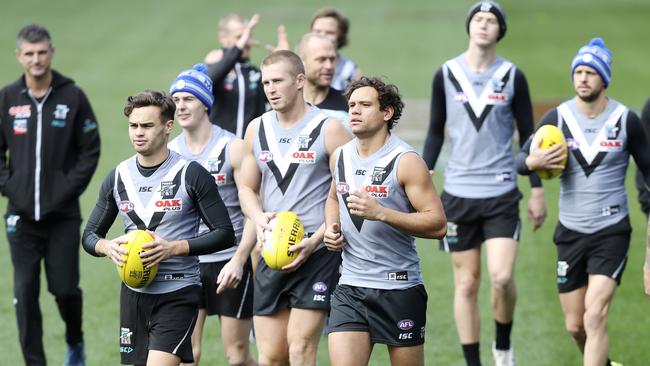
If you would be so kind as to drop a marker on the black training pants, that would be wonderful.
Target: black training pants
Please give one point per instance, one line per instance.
(56, 242)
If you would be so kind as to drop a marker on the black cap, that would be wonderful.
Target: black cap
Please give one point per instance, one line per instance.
(489, 7)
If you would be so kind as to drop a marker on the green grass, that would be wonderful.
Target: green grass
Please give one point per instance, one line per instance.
(116, 48)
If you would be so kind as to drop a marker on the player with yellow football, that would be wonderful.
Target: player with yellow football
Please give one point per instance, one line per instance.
(158, 191)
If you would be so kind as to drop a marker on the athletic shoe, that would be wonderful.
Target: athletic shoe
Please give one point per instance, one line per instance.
(76, 355)
(612, 363)
(503, 358)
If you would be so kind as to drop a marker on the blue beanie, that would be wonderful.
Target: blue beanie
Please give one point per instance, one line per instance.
(488, 7)
(596, 56)
(197, 82)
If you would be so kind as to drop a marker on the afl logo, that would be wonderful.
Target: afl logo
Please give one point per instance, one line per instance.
(342, 188)
(126, 206)
(265, 156)
(405, 324)
(319, 287)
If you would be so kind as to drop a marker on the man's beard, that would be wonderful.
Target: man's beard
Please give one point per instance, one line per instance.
(591, 97)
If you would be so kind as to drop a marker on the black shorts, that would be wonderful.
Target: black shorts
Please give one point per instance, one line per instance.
(579, 255)
(392, 317)
(234, 302)
(471, 221)
(309, 287)
(162, 322)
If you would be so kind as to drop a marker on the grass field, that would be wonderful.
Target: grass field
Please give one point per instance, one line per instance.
(116, 48)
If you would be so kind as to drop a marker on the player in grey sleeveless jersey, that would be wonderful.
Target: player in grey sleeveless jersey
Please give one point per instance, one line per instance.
(159, 191)
(286, 168)
(226, 276)
(593, 232)
(380, 199)
(480, 98)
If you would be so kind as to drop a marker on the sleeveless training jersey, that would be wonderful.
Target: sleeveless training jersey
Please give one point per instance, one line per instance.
(160, 203)
(343, 73)
(377, 255)
(592, 187)
(215, 158)
(294, 166)
(480, 125)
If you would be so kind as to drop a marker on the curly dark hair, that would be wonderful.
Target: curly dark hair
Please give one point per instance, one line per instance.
(388, 96)
(153, 98)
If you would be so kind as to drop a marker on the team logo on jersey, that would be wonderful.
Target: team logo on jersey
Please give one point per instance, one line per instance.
(303, 141)
(342, 188)
(497, 85)
(611, 145)
(610, 210)
(220, 179)
(61, 111)
(20, 126)
(166, 205)
(398, 276)
(572, 144)
(167, 189)
(612, 132)
(376, 190)
(229, 82)
(303, 157)
(213, 165)
(253, 79)
(319, 287)
(405, 324)
(265, 156)
(126, 206)
(89, 125)
(504, 177)
(20, 111)
(378, 174)
(125, 335)
(461, 98)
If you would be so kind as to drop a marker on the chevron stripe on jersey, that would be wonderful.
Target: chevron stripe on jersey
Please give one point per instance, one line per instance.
(216, 160)
(146, 215)
(283, 166)
(477, 107)
(374, 178)
(589, 156)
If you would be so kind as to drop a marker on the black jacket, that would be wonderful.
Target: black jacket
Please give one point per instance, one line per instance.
(238, 92)
(49, 149)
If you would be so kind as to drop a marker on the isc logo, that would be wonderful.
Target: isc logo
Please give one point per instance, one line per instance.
(320, 298)
(406, 336)
(145, 189)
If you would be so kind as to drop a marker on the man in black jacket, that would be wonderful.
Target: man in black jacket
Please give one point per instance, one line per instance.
(49, 148)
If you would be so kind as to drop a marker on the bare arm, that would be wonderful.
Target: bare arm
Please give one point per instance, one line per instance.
(333, 238)
(231, 274)
(428, 220)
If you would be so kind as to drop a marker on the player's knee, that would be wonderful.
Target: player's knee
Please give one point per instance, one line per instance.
(300, 351)
(595, 318)
(66, 295)
(237, 353)
(468, 286)
(502, 281)
(575, 328)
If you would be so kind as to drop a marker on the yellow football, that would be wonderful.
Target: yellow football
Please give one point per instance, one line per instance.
(132, 272)
(286, 230)
(549, 135)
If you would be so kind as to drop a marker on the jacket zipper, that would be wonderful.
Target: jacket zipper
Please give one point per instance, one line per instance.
(37, 165)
